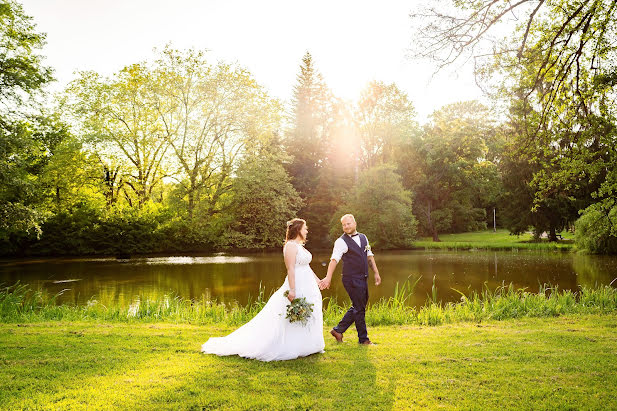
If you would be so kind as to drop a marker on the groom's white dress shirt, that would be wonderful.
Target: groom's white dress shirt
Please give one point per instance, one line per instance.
(340, 247)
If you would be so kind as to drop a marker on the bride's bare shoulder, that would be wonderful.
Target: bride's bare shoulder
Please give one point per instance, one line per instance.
(290, 246)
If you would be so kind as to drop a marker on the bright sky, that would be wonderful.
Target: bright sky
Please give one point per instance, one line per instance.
(352, 42)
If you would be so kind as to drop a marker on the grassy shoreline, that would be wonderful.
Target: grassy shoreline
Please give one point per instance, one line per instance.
(534, 363)
(501, 240)
(19, 303)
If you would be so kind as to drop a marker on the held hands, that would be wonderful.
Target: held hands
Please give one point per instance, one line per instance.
(325, 283)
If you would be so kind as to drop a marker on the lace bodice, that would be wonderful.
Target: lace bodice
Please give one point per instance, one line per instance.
(304, 256)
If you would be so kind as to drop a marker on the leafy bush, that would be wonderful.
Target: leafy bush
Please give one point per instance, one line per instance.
(72, 231)
(88, 229)
(130, 230)
(596, 230)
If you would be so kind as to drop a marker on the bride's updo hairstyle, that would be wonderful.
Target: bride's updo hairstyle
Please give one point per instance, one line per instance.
(293, 229)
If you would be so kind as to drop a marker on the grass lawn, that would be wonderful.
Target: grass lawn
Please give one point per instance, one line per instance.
(500, 240)
(531, 363)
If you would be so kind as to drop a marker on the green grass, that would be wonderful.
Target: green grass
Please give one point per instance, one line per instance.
(568, 362)
(499, 348)
(500, 240)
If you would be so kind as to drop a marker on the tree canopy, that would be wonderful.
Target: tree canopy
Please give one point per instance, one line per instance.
(179, 152)
(26, 135)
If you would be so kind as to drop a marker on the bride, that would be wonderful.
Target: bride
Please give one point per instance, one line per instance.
(269, 336)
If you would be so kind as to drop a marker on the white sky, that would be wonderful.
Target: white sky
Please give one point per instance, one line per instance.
(352, 42)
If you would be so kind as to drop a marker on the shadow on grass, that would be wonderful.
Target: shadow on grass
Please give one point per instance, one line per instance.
(345, 372)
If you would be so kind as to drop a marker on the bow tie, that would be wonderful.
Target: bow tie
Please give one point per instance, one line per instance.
(353, 235)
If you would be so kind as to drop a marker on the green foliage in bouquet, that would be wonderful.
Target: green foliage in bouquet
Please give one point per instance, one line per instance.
(298, 310)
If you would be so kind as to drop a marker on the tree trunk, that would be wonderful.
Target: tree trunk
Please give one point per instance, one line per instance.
(552, 236)
(191, 193)
(536, 234)
(191, 203)
(435, 236)
(431, 225)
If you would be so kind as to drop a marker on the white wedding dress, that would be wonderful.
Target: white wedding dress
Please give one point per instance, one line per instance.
(269, 336)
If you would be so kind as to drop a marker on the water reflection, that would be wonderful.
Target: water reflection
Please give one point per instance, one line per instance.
(219, 259)
(238, 277)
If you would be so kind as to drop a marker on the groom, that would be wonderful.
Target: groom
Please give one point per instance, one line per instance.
(353, 248)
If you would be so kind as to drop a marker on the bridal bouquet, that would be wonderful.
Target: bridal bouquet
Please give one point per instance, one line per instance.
(298, 310)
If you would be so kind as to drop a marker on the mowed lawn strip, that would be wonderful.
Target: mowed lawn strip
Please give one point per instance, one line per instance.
(563, 362)
(499, 240)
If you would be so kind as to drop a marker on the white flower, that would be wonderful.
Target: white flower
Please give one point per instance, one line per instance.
(367, 248)
(133, 309)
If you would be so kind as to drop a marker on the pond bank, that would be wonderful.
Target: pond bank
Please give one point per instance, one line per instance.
(500, 240)
(19, 303)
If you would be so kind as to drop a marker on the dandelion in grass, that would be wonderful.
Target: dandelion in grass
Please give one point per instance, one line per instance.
(298, 310)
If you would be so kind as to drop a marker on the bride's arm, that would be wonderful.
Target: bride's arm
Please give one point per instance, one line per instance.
(290, 262)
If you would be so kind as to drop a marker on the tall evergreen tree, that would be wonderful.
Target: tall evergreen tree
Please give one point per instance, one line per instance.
(308, 141)
(310, 118)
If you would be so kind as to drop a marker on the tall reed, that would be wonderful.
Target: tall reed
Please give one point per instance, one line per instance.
(19, 303)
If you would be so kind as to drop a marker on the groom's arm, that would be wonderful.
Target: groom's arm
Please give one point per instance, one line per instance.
(331, 268)
(325, 283)
(373, 265)
(337, 253)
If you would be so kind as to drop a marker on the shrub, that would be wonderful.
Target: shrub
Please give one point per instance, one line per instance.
(596, 230)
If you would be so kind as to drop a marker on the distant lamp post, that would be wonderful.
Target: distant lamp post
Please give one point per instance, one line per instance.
(494, 221)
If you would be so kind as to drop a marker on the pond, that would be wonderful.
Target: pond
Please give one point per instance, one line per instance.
(238, 278)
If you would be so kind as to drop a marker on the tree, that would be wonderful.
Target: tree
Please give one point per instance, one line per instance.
(385, 118)
(311, 118)
(316, 155)
(22, 73)
(121, 122)
(552, 176)
(69, 175)
(208, 114)
(556, 70)
(382, 207)
(520, 207)
(262, 199)
(22, 156)
(567, 42)
(446, 168)
(596, 230)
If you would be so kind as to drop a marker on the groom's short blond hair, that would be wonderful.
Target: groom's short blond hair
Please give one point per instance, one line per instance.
(348, 215)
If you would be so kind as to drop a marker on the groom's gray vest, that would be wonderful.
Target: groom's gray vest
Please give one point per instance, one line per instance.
(355, 260)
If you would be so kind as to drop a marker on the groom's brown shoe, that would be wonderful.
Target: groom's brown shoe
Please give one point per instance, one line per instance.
(367, 342)
(337, 335)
